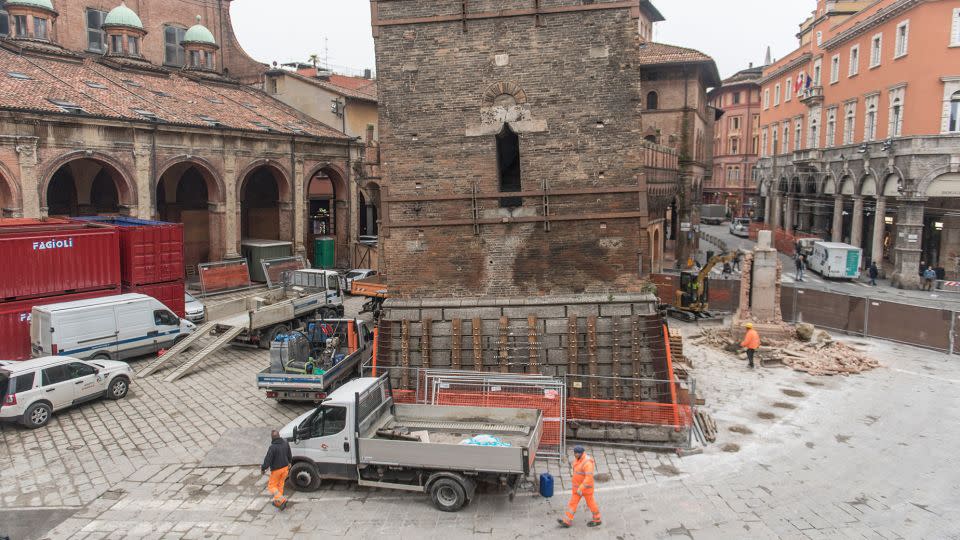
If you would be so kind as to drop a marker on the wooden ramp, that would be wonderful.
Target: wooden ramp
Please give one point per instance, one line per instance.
(172, 353)
(226, 337)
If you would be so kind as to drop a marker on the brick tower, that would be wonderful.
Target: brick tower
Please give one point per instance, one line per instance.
(512, 148)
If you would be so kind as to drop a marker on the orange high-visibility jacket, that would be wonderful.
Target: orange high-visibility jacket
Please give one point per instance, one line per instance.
(583, 469)
(751, 340)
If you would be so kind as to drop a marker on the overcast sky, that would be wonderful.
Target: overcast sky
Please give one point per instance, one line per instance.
(733, 32)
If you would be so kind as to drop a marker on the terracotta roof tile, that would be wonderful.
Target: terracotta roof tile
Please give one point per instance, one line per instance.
(652, 53)
(354, 90)
(171, 97)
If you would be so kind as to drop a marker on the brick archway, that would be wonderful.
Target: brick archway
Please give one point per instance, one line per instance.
(11, 201)
(265, 202)
(328, 213)
(87, 171)
(188, 190)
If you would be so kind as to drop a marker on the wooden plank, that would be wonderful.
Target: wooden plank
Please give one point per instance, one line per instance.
(476, 325)
(405, 354)
(427, 329)
(573, 354)
(615, 357)
(533, 345)
(635, 356)
(455, 346)
(503, 351)
(592, 356)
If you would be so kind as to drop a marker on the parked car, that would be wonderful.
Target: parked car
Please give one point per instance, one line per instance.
(108, 328)
(357, 273)
(32, 390)
(740, 226)
(193, 309)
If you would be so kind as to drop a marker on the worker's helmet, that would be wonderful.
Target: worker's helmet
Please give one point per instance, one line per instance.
(748, 325)
(578, 449)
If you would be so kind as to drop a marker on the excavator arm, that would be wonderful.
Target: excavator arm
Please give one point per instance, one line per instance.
(715, 260)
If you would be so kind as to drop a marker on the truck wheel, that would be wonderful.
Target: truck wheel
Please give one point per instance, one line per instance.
(304, 476)
(448, 495)
(272, 334)
(101, 356)
(37, 415)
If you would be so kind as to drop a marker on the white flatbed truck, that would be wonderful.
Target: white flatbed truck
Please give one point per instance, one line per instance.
(359, 434)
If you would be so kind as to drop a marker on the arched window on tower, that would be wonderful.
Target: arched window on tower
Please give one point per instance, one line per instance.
(653, 101)
(508, 165)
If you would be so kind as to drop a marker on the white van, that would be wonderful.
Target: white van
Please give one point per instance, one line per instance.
(109, 328)
(835, 260)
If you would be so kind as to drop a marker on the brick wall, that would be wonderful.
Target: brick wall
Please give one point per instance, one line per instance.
(575, 103)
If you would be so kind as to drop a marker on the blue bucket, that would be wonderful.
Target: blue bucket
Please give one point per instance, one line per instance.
(546, 485)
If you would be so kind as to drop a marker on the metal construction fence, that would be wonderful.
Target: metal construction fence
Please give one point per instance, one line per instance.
(667, 406)
(922, 326)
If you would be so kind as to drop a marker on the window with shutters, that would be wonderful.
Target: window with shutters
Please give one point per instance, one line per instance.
(835, 69)
(766, 98)
(854, 61)
(831, 127)
(876, 50)
(4, 20)
(764, 143)
(903, 35)
(96, 38)
(850, 117)
(870, 119)
(798, 134)
(788, 91)
(816, 71)
(786, 137)
(173, 54)
(955, 28)
(776, 95)
(895, 116)
(814, 140)
(953, 125)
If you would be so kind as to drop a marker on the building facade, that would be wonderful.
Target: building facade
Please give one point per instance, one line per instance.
(349, 105)
(116, 131)
(676, 114)
(736, 143)
(865, 148)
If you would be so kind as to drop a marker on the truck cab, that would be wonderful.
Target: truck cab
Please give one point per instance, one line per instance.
(316, 280)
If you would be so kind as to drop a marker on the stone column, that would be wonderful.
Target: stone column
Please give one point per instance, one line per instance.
(876, 246)
(775, 212)
(217, 227)
(29, 182)
(836, 230)
(766, 208)
(906, 251)
(231, 226)
(789, 214)
(299, 209)
(856, 229)
(805, 223)
(820, 224)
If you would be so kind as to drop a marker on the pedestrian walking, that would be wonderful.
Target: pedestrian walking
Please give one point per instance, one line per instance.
(799, 263)
(751, 341)
(278, 460)
(583, 470)
(736, 261)
(873, 272)
(928, 276)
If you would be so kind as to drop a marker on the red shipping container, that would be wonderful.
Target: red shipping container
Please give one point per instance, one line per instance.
(15, 321)
(169, 294)
(150, 251)
(53, 257)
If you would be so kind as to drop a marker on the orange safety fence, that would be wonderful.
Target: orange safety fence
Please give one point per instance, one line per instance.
(628, 412)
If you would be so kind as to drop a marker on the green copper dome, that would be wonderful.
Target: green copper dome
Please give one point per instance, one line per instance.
(199, 33)
(123, 16)
(42, 4)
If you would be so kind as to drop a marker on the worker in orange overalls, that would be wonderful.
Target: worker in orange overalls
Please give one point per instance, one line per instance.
(583, 469)
(751, 341)
(278, 460)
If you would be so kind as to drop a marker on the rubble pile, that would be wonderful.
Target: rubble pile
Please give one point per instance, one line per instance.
(812, 351)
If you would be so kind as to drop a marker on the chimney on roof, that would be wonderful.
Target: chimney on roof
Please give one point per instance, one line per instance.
(367, 73)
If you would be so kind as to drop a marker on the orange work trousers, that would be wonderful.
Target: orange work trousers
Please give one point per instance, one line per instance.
(575, 501)
(275, 485)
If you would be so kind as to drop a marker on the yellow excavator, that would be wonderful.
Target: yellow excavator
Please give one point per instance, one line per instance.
(691, 301)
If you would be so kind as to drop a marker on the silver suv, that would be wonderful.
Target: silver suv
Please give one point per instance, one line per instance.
(30, 391)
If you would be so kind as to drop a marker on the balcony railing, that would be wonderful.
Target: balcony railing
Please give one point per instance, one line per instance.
(812, 95)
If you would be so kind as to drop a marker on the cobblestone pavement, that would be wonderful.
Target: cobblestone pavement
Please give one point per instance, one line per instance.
(868, 456)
